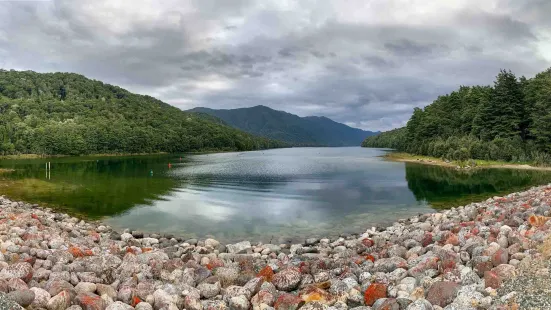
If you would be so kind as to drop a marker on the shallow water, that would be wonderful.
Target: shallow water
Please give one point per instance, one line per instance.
(275, 195)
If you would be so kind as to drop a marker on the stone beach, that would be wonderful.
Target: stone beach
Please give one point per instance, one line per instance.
(469, 257)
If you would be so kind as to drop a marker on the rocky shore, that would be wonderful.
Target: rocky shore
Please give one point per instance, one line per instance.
(469, 257)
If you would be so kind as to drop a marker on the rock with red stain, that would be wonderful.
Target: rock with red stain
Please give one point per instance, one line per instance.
(448, 259)
(267, 273)
(60, 301)
(17, 284)
(135, 301)
(23, 271)
(313, 293)
(215, 263)
(491, 279)
(452, 239)
(426, 262)
(192, 303)
(390, 264)
(287, 279)
(427, 239)
(90, 301)
(374, 292)
(263, 297)
(95, 236)
(55, 286)
(505, 271)
(442, 293)
(76, 251)
(501, 256)
(288, 302)
(367, 242)
(491, 249)
(482, 264)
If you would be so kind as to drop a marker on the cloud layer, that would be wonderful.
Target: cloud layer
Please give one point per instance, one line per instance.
(364, 63)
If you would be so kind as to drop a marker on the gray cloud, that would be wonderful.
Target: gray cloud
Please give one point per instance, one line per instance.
(367, 65)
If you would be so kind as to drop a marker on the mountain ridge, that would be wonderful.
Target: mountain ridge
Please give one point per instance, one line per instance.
(284, 126)
(70, 114)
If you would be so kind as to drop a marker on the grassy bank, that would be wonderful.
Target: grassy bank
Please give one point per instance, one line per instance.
(468, 164)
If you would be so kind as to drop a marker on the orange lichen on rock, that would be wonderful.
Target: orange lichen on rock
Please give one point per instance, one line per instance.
(267, 273)
(370, 257)
(76, 252)
(89, 300)
(374, 291)
(135, 300)
(538, 220)
(313, 293)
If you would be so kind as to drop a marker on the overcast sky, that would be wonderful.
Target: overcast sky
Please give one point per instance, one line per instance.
(366, 63)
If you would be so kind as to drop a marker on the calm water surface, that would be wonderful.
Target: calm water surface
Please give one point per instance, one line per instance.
(277, 195)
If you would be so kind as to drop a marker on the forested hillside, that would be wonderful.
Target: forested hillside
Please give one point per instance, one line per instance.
(299, 131)
(66, 113)
(509, 121)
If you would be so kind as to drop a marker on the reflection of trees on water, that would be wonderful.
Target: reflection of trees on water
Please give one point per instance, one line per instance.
(96, 187)
(445, 187)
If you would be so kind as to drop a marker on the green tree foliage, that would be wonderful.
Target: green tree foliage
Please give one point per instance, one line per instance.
(510, 121)
(65, 113)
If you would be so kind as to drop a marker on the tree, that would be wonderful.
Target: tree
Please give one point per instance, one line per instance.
(509, 121)
(65, 113)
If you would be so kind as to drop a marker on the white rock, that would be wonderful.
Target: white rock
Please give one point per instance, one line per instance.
(119, 305)
(126, 236)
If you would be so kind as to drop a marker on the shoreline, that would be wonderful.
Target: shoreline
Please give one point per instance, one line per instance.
(38, 156)
(480, 164)
(460, 257)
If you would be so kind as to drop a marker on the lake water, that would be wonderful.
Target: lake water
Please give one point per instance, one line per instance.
(274, 195)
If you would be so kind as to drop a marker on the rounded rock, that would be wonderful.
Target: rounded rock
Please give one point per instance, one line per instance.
(314, 305)
(239, 303)
(287, 279)
(85, 287)
(23, 297)
(41, 297)
(60, 301)
(8, 304)
(420, 304)
(143, 306)
(23, 271)
(119, 305)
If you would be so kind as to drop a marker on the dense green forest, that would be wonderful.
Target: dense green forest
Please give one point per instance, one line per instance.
(509, 121)
(69, 114)
(298, 131)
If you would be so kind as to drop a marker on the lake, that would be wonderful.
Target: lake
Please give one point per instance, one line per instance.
(273, 195)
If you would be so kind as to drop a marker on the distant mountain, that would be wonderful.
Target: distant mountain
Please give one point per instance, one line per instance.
(299, 131)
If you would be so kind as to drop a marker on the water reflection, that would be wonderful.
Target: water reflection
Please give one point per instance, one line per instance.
(444, 187)
(274, 195)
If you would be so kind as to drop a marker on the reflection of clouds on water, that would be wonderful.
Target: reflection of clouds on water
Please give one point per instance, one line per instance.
(290, 192)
